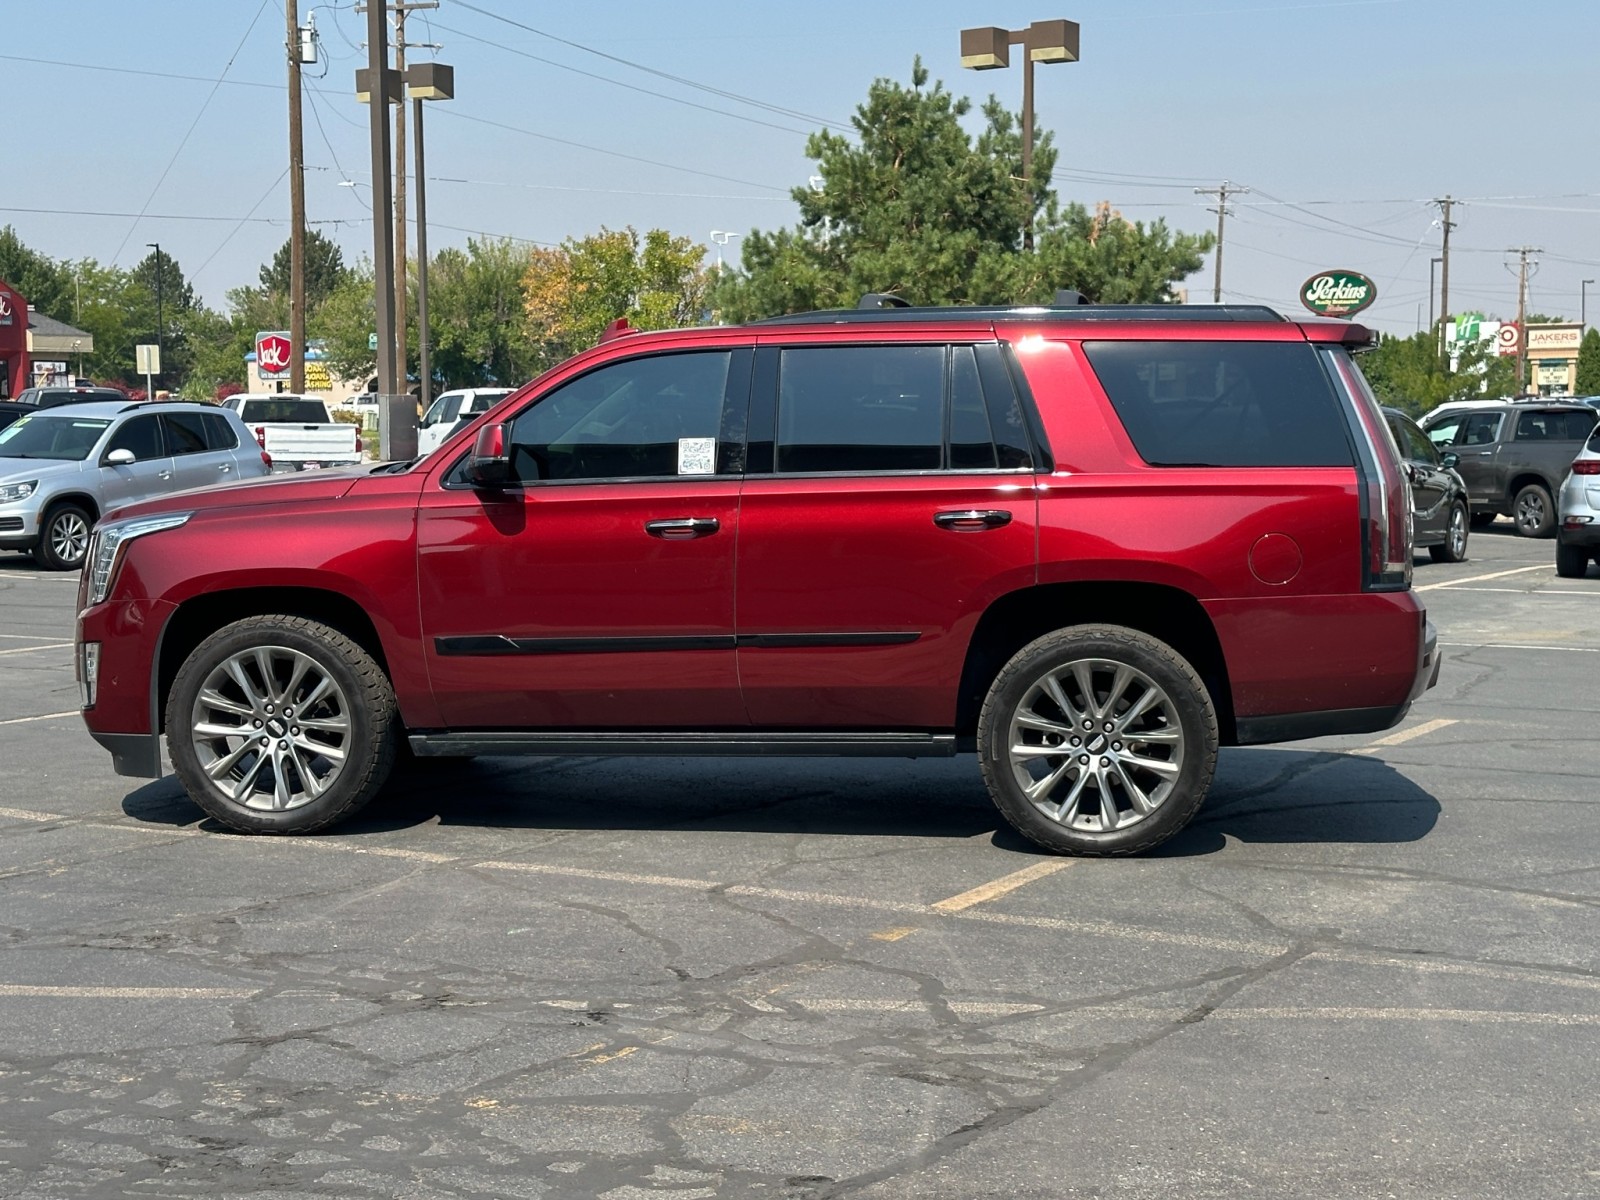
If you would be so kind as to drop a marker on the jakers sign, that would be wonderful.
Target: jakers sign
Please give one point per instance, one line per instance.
(1337, 293)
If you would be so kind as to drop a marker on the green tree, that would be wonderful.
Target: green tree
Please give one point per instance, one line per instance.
(913, 205)
(1409, 374)
(46, 284)
(324, 269)
(1589, 364)
(478, 326)
(574, 291)
(156, 292)
(343, 322)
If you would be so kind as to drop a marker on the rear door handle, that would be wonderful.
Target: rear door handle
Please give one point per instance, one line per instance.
(164, 474)
(224, 466)
(681, 529)
(972, 520)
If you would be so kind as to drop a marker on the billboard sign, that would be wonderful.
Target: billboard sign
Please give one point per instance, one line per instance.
(1338, 293)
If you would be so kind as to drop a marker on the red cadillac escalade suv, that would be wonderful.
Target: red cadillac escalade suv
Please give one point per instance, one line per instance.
(1091, 544)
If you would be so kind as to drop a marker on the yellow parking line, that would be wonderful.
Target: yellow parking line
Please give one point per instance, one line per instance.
(1406, 735)
(999, 887)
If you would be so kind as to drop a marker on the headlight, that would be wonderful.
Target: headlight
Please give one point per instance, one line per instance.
(17, 491)
(110, 537)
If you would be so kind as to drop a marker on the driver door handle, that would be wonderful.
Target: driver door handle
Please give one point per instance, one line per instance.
(682, 529)
(972, 520)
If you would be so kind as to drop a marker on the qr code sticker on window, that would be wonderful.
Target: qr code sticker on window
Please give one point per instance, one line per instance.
(697, 456)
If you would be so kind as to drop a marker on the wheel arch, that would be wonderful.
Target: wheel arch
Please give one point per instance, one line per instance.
(1170, 614)
(199, 617)
(82, 499)
(1523, 478)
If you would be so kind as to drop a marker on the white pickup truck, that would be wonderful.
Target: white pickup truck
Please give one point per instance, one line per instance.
(297, 432)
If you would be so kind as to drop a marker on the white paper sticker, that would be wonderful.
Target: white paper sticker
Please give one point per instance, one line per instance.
(697, 456)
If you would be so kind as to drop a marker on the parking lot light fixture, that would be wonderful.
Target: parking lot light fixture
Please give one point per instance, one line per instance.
(722, 237)
(988, 47)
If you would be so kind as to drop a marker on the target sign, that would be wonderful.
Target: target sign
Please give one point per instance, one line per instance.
(1507, 338)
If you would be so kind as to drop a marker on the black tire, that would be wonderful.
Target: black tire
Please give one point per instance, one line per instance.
(319, 773)
(1533, 512)
(1454, 547)
(1572, 562)
(1483, 520)
(1181, 725)
(63, 537)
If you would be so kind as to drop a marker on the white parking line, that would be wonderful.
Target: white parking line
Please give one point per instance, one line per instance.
(31, 649)
(71, 712)
(126, 993)
(1428, 587)
(1521, 646)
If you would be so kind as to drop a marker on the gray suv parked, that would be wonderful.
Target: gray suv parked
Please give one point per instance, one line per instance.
(62, 468)
(1513, 456)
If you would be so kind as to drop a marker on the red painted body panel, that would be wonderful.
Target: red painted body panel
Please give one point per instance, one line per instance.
(129, 632)
(574, 561)
(859, 555)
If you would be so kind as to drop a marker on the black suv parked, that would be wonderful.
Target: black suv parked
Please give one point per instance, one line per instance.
(1438, 495)
(1513, 456)
(50, 397)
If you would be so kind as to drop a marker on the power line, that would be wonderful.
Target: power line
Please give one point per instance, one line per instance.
(205, 104)
(242, 222)
(1222, 193)
(679, 79)
(550, 62)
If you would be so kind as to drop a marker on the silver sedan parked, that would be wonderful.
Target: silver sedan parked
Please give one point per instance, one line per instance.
(1578, 509)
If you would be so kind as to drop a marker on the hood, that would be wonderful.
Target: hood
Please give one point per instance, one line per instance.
(303, 487)
(38, 468)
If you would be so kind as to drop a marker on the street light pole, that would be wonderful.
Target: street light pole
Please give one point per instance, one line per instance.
(156, 246)
(989, 47)
(425, 81)
(721, 237)
(380, 79)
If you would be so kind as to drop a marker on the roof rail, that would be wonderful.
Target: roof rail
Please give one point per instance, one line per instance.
(1024, 312)
(878, 300)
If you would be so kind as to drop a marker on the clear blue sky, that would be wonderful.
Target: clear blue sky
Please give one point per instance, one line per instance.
(1343, 116)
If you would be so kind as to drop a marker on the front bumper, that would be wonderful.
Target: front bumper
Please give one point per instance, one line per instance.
(123, 718)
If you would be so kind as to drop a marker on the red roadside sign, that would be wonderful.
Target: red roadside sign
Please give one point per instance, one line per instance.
(272, 354)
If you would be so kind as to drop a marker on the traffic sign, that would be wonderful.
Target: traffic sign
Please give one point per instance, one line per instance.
(273, 351)
(1508, 338)
(147, 359)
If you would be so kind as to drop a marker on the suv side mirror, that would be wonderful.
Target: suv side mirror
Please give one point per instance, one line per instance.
(1450, 460)
(489, 464)
(120, 457)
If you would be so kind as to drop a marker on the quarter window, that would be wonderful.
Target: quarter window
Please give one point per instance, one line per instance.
(1224, 404)
(220, 435)
(642, 418)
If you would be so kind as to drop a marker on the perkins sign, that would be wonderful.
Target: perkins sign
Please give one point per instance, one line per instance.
(1337, 293)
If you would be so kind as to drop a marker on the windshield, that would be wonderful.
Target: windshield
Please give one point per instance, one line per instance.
(47, 436)
(309, 412)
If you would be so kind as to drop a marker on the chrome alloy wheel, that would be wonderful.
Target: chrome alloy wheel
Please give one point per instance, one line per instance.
(271, 728)
(1458, 533)
(1096, 745)
(1530, 513)
(69, 537)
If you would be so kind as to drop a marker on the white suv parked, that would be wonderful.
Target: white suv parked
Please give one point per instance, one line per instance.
(1578, 527)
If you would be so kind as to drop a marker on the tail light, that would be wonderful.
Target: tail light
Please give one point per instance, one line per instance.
(1586, 466)
(1387, 507)
(266, 460)
(261, 436)
(358, 443)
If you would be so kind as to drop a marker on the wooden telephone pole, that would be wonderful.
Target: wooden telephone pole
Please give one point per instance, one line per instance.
(1446, 224)
(1522, 253)
(297, 210)
(1221, 193)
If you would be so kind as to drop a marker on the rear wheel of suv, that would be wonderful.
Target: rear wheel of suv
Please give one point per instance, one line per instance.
(63, 538)
(1098, 740)
(1533, 511)
(1572, 562)
(1454, 547)
(280, 724)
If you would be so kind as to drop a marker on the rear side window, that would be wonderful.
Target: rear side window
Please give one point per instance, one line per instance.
(1579, 425)
(1224, 404)
(861, 408)
(1480, 429)
(186, 433)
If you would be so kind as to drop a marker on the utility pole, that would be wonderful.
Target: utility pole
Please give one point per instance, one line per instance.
(1221, 193)
(297, 210)
(378, 72)
(160, 324)
(1446, 224)
(1522, 253)
(400, 8)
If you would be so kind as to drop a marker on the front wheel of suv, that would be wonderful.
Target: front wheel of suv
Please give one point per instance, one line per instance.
(1098, 740)
(1454, 547)
(280, 724)
(1533, 511)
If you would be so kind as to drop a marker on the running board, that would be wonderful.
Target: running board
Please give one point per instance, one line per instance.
(741, 743)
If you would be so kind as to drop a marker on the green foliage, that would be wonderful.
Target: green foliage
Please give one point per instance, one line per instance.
(1408, 372)
(915, 206)
(45, 284)
(1588, 383)
(343, 322)
(573, 292)
(324, 270)
(476, 316)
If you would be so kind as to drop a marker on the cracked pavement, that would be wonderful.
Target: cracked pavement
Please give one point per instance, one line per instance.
(1367, 969)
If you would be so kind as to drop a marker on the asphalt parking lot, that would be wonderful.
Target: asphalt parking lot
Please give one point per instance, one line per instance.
(1368, 969)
